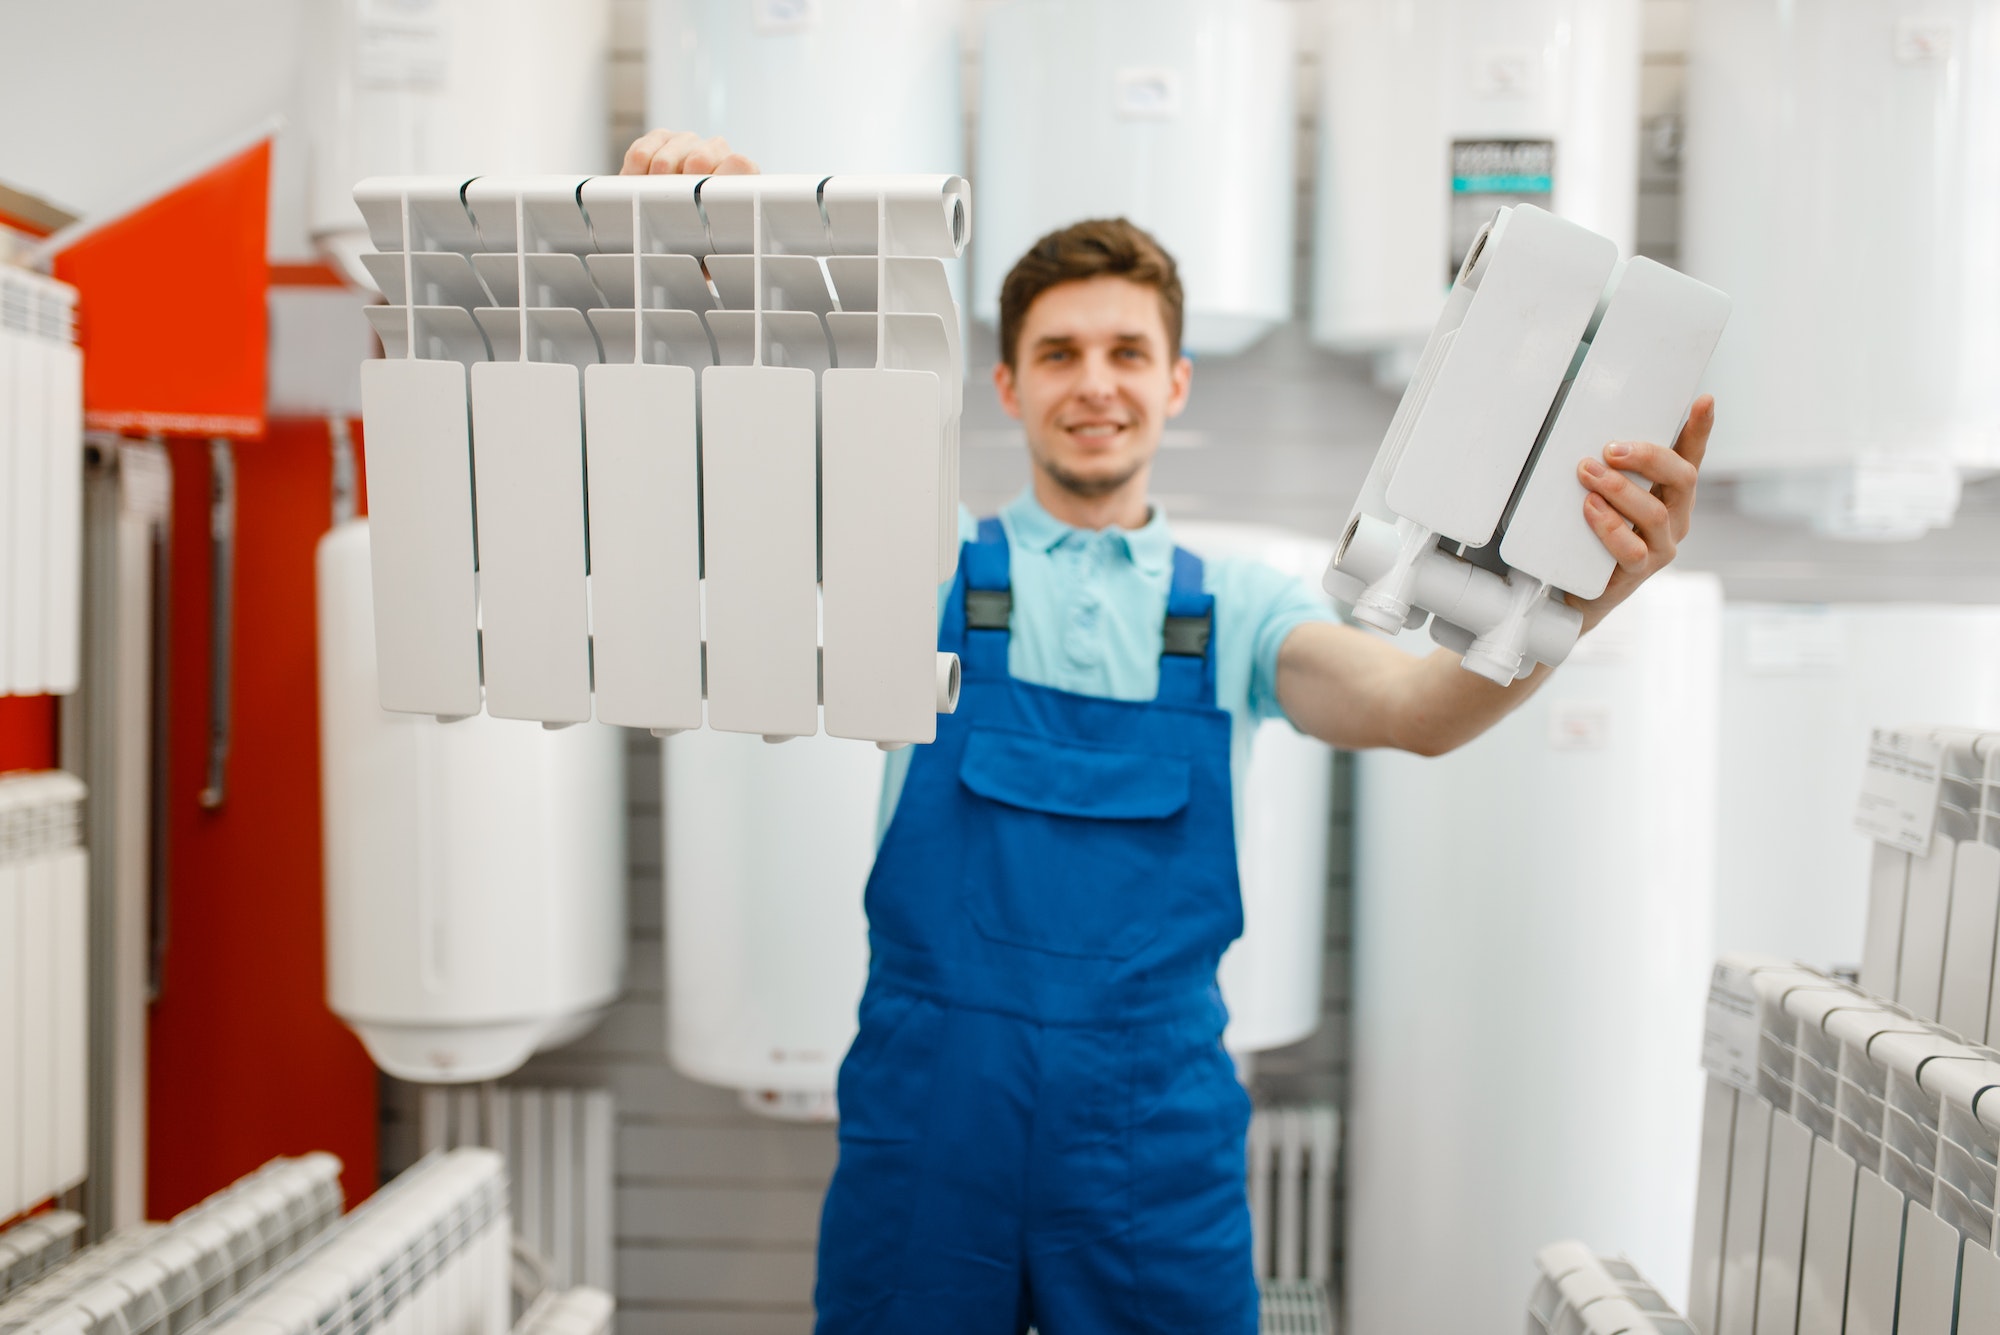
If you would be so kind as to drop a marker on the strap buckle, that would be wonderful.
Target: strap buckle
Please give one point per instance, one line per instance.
(1187, 637)
(988, 609)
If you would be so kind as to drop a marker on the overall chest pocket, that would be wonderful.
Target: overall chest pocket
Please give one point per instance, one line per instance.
(1075, 846)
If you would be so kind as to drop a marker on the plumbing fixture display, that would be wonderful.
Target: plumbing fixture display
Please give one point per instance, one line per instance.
(1518, 1005)
(44, 988)
(1857, 393)
(1847, 1172)
(642, 443)
(767, 945)
(475, 872)
(1581, 1293)
(517, 86)
(780, 79)
(1803, 687)
(1548, 349)
(1270, 976)
(41, 507)
(1435, 113)
(1181, 115)
(179, 1275)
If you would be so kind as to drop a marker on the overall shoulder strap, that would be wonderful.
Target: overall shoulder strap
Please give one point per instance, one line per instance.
(1187, 651)
(982, 603)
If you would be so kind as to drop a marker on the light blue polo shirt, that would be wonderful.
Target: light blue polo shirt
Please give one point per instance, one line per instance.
(1090, 609)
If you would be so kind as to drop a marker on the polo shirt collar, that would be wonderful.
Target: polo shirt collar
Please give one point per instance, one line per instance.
(1150, 547)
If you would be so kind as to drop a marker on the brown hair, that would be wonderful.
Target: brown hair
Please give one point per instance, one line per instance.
(1094, 248)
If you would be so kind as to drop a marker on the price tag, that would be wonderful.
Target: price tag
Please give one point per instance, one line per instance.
(1729, 1035)
(1899, 790)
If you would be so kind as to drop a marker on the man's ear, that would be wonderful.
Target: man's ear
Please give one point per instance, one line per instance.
(1183, 377)
(1003, 386)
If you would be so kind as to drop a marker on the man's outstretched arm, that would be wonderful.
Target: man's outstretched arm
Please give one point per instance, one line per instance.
(1355, 690)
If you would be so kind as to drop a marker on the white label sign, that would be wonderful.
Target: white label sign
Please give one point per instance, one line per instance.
(1729, 1035)
(1146, 94)
(1899, 790)
(780, 16)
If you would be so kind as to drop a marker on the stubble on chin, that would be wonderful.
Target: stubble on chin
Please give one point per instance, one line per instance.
(1089, 488)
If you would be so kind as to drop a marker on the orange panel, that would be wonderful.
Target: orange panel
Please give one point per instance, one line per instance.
(247, 1062)
(172, 312)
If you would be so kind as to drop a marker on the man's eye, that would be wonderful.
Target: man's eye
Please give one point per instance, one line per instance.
(1056, 355)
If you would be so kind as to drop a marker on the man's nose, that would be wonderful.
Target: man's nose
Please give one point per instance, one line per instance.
(1097, 381)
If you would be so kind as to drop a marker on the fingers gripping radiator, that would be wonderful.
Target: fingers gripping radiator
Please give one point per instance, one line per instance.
(641, 442)
(1549, 348)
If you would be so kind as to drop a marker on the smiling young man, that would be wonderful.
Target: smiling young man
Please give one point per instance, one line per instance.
(1038, 1123)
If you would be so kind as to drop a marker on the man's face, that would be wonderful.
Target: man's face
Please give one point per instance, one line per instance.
(1094, 382)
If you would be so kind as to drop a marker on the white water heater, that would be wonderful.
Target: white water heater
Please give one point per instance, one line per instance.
(475, 871)
(1271, 976)
(767, 854)
(856, 86)
(1177, 114)
(1532, 942)
(418, 87)
(1436, 113)
(1802, 686)
(1840, 183)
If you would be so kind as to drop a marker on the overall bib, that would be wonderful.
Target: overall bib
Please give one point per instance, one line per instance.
(1038, 1124)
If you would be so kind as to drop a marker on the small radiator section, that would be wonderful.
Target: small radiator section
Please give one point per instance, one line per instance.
(1293, 1154)
(429, 1254)
(44, 988)
(557, 1144)
(1579, 1293)
(159, 1278)
(584, 1311)
(34, 1247)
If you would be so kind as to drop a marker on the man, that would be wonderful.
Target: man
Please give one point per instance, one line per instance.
(1038, 1123)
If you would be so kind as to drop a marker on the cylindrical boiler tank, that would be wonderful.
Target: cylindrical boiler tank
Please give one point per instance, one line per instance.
(1177, 114)
(420, 87)
(1532, 942)
(475, 871)
(1435, 113)
(839, 86)
(767, 854)
(1271, 977)
(1840, 184)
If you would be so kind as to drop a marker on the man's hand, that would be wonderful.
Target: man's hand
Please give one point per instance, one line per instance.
(682, 152)
(1642, 529)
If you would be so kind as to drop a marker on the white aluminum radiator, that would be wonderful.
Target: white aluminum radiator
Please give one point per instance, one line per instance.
(44, 988)
(34, 1247)
(558, 1146)
(161, 1278)
(1580, 1293)
(1849, 1159)
(429, 1254)
(1293, 1154)
(41, 507)
(580, 1311)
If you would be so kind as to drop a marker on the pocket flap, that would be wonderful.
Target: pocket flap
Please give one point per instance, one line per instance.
(1064, 779)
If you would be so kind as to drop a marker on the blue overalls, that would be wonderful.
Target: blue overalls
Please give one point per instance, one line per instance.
(1038, 1124)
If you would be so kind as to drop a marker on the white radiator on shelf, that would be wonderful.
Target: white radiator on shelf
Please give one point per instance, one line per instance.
(41, 506)
(36, 1246)
(711, 468)
(44, 988)
(161, 1278)
(1848, 1164)
(428, 1254)
(1293, 1155)
(1581, 1293)
(558, 1146)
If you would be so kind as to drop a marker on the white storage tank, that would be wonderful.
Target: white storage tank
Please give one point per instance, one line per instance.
(1271, 977)
(1436, 113)
(1177, 114)
(1802, 687)
(1532, 942)
(475, 871)
(1840, 184)
(767, 854)
(812, 85)
(423, 87)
